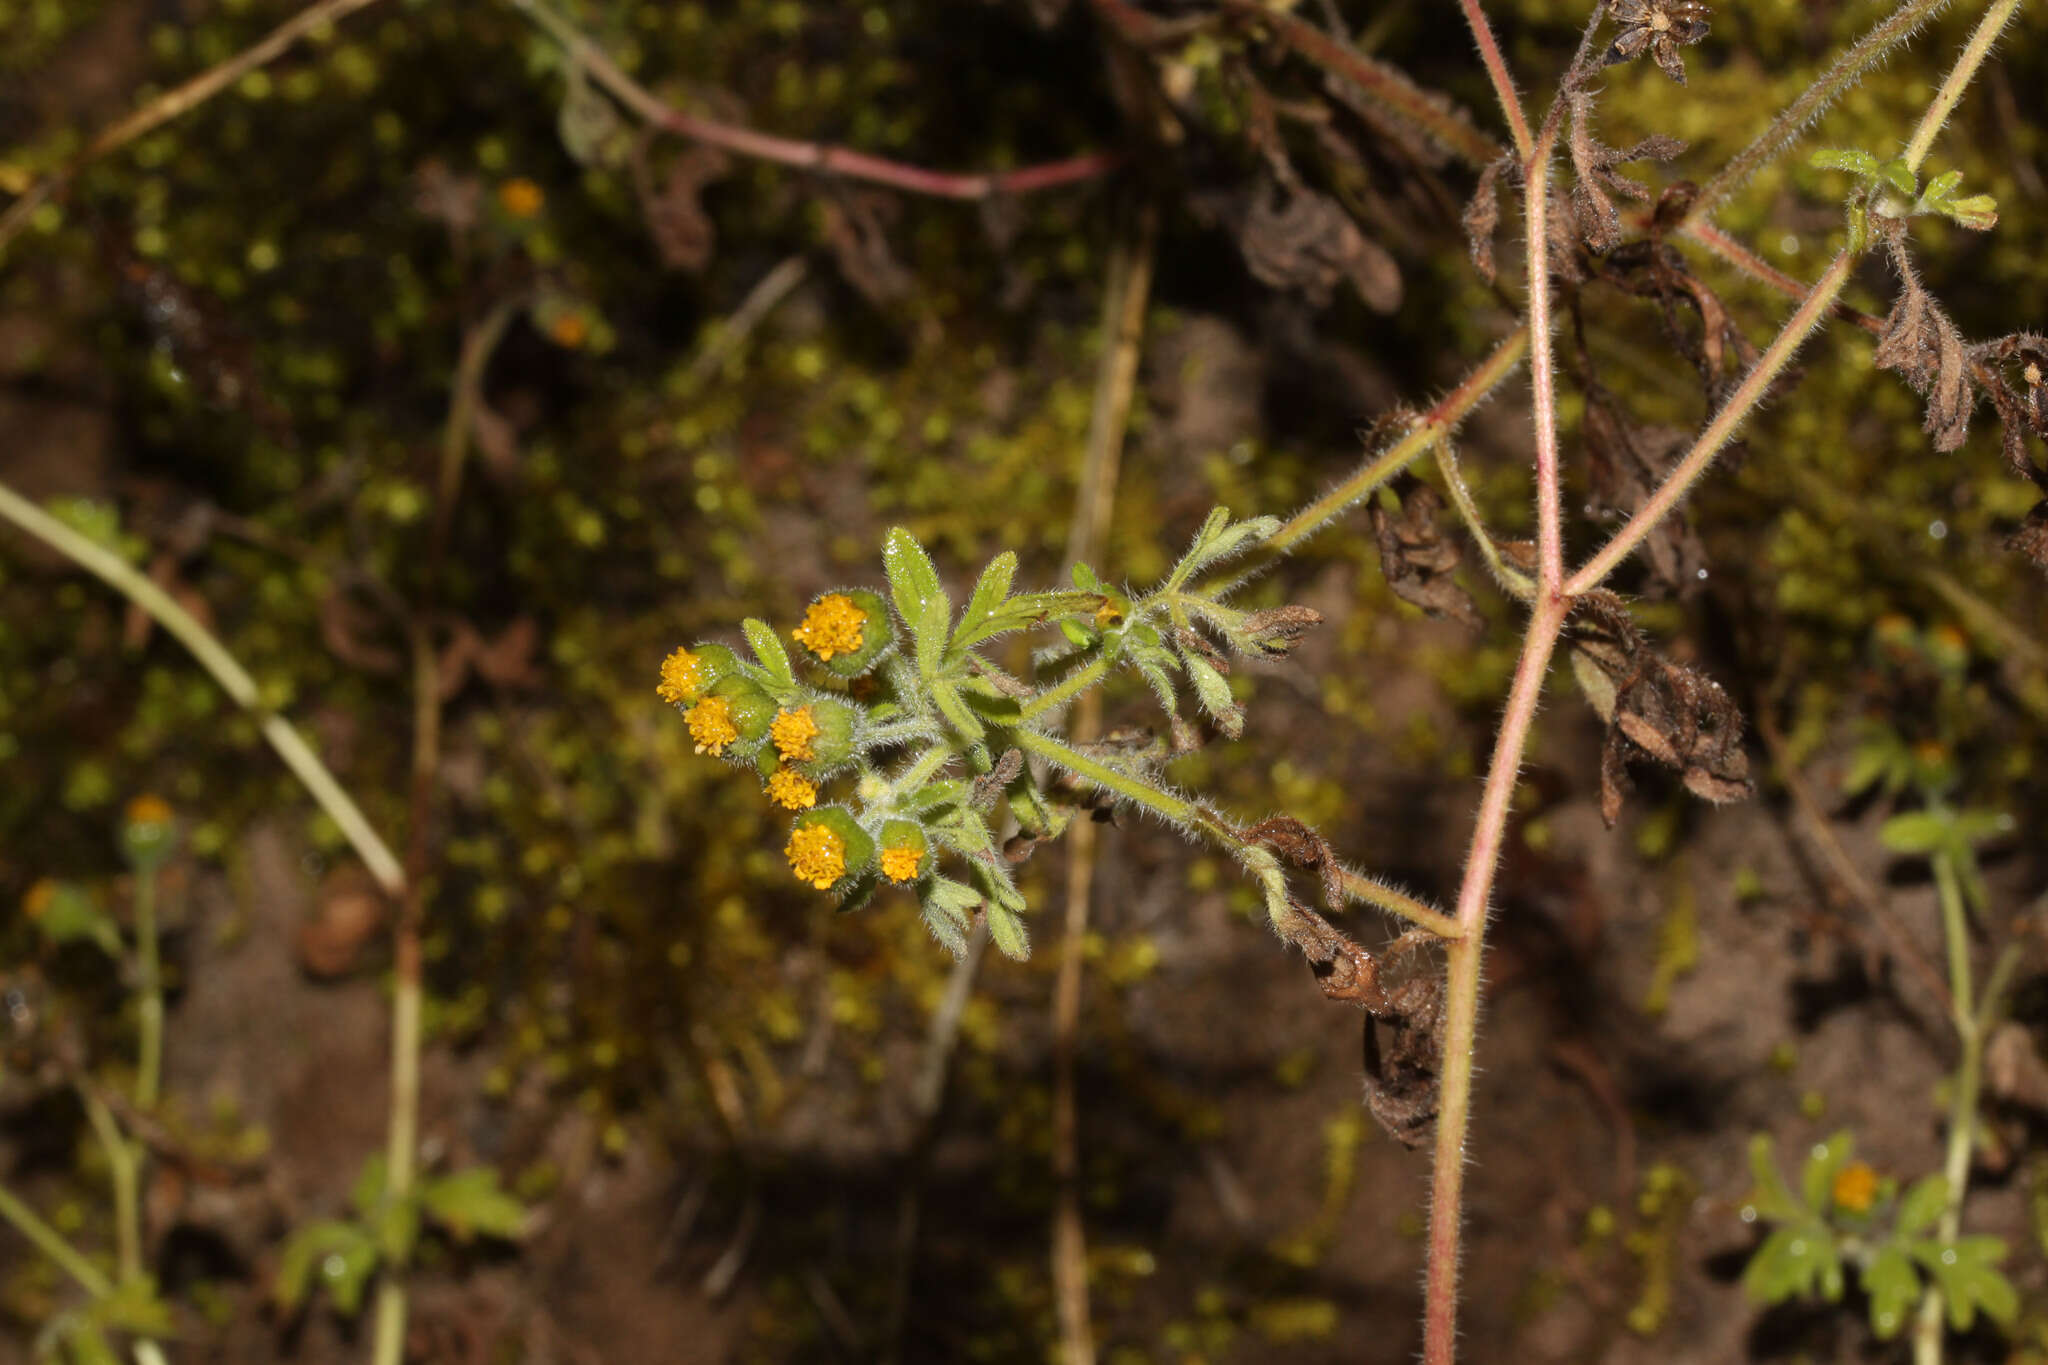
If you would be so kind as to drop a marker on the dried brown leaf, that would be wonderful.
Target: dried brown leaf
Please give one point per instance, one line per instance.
(856, 229)
(1482, 216)
(1418, 558)
(1922, 346)
(1655, 709)
(1304, 241)
(683, 233)
(2031, 539)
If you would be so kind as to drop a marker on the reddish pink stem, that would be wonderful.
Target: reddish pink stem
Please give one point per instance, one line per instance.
(815, 156)
(853, 165)
(1497, 70)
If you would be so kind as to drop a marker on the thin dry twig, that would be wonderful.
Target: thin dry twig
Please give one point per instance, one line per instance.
(173, 103)
(1130, 286)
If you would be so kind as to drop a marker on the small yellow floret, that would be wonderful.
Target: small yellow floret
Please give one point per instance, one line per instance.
(793, 732)
(1855, 1187)
(569, 331)
(791, 790)
(37, 902)
(679, 673)
(817, 855)
(900, 864)
(832, 626)
(711, 725)
(520, 198)
(148, 810)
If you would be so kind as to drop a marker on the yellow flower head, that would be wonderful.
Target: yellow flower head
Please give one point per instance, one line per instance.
(520, 198)
(680, 676)
(832, 626)
(793, 732)
(569, 331)
(791, 790)
(148, 810)
(1855, 1187)
(900, 864)
(817, 854)
(711, 725)
(37, 902)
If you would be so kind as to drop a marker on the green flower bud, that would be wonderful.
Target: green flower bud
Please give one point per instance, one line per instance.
(148, 832)
(815, 735)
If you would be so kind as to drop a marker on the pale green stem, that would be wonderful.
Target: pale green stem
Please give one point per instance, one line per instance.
(51, 1243)
(1512, 579)
(118, 574)
(1870, 49)
(883, 736)
(1066, 689)
(1962, 1124)
(1181, 811)
(1959, 78)
(925, 767)
(122, 1164)
(149, 987)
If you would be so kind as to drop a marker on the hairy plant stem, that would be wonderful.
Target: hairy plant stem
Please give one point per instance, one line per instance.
(1386, 86)
(1497, 72)
(1461, 978)
(1510, 578)
(1207, 823)
(1542, 369)
(124, 1169)
(1870, 49)
(1959, 77)
(52, 1244)
(1439, 421)
(173, 103)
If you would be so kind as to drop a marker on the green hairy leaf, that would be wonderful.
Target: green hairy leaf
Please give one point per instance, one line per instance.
(1893, 1286)
(768, 649)
(1845, 159)
(472, 1204)
(920, 598)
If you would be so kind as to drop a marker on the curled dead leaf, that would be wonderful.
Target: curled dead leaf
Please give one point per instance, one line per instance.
(1304, 241)
(1418, 558)
(1654, 708)
(1922, 346)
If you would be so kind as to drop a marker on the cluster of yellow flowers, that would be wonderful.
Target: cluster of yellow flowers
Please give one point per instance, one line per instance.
(796, 740)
